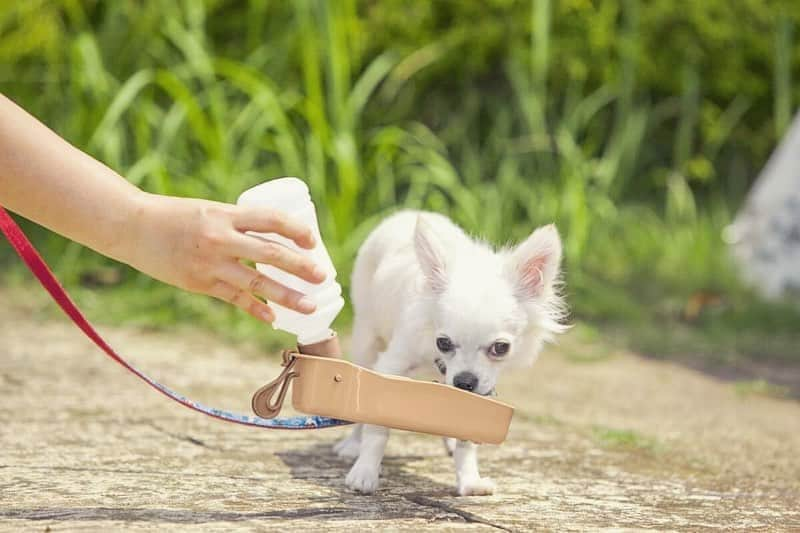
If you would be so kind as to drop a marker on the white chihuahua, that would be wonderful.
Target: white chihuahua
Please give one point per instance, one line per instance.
(426, 294)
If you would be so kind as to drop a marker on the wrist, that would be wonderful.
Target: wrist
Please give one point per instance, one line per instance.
(129, 228)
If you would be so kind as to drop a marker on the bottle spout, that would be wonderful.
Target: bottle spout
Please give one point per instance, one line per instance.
(327, 347)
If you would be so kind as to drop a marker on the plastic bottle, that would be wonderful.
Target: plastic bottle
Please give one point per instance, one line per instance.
(291, 196)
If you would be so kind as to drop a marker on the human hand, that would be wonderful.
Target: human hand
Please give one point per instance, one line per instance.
(198, 245)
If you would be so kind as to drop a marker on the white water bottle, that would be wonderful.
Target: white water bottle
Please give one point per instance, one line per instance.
(291, 196)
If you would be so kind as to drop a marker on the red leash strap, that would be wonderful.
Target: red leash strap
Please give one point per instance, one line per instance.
(37, 265)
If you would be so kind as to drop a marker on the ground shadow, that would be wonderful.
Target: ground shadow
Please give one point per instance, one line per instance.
(403, 494)
(318, 464)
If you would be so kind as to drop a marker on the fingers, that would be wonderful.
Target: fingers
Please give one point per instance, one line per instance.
(242, 299)
(251, 281)
(271, 221)
(262, 251)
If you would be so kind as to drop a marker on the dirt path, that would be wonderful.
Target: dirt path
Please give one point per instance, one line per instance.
(621, 442)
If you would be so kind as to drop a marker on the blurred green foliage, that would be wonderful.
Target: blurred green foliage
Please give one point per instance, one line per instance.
(635, 126)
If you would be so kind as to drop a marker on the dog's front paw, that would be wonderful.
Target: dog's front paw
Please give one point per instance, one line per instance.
(363, 478)
(476, 486)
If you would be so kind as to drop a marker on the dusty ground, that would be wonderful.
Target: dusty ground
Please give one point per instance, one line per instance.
(618, 442)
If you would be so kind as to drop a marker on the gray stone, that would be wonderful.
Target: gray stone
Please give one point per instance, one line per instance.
(766, 233)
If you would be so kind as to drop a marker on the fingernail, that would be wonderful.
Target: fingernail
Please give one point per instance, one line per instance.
(319, 274)
(268, 316)
(305, 305)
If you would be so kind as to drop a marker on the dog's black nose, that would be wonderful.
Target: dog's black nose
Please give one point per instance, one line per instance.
(466, 381)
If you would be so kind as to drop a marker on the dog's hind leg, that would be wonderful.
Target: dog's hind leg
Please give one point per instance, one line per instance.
(449, 445)
(349, 446)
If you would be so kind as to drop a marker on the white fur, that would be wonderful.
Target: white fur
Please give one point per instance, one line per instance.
(418, 276)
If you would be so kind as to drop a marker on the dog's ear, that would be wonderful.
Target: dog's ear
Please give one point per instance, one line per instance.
(535, 263)
(430, 254)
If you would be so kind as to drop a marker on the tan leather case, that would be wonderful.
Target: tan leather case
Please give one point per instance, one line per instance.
(337, 388)
(323, 384)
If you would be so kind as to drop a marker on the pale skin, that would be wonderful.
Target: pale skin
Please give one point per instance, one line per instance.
(196, 245)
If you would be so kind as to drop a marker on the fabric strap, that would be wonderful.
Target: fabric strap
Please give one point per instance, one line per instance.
(39, 268)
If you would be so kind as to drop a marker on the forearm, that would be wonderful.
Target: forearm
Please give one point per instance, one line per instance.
(45, 179)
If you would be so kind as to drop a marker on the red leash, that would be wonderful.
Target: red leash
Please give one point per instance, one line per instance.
(39, 268)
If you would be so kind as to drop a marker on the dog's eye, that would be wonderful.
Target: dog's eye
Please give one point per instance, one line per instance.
(444, 344)
(499, 348)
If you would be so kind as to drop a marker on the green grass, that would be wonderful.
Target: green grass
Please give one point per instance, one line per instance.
(207, 99)
(625, 439)
(760, 387)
